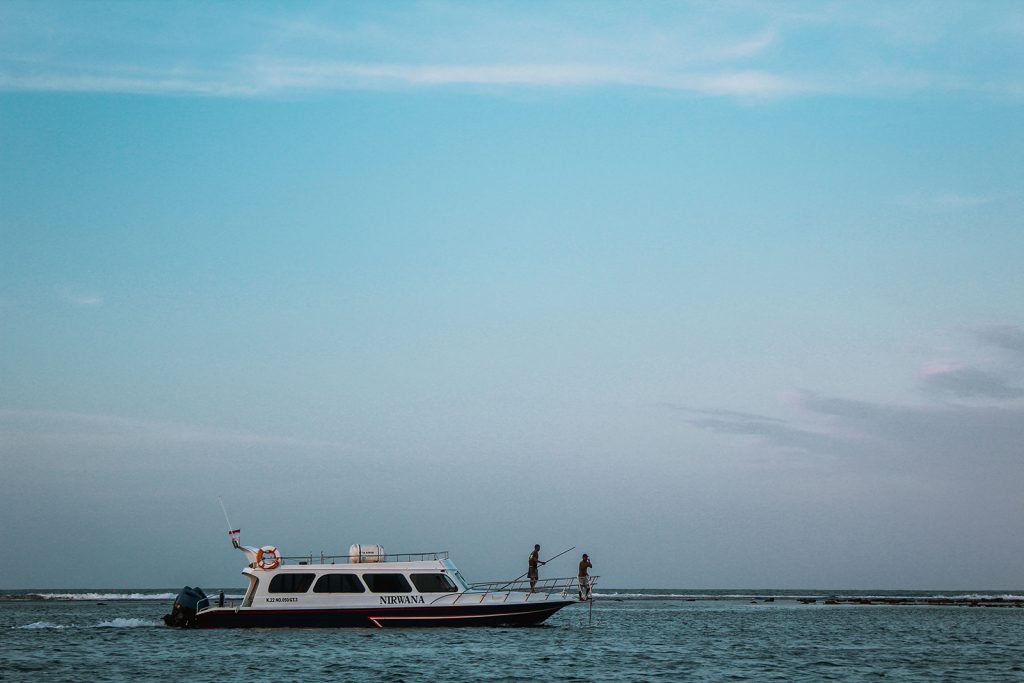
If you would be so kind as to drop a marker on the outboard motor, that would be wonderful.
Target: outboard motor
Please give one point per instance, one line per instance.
(189, 601)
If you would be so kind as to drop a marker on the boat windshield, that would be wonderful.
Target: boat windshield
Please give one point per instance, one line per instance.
(249, 594)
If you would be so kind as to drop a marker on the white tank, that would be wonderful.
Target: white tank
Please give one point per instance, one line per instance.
(365, 553)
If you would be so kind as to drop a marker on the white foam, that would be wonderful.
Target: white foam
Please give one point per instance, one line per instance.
(41, 625)
(107, 596)
(782, 595)
(988, 596)
(126, 623)
(655, 596)
(118, 622)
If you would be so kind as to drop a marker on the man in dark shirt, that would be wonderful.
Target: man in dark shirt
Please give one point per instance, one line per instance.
(584, 578)
(531, 570)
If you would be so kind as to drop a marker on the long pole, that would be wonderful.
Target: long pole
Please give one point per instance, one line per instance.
(560, 554)
(528, 571)
(232, 532)
(225, 511)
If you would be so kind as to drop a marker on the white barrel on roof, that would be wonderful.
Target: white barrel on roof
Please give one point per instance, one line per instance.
(365, 553)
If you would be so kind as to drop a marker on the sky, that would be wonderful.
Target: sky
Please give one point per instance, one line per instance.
(726, 295)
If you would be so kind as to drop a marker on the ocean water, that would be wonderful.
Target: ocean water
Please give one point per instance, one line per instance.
(628, 636)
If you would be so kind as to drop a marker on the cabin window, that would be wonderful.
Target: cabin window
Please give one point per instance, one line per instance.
(433, 583)
(338, 583)
(387, 583)
(291, 583)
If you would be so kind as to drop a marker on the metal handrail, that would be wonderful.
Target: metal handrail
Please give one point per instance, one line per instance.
(544, 589)
(347, 559)
(215, 604)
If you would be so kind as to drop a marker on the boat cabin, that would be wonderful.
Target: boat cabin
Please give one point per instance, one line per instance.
(356, 584)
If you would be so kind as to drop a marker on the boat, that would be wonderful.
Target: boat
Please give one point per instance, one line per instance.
(369, 588)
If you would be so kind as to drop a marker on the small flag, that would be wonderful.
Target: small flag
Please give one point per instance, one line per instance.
(234, 531)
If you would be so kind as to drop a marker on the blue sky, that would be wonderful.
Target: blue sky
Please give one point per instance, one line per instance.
(732, 287)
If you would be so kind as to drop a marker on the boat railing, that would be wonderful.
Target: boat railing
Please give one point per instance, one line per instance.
(519, 590)
(214, 602)
(376, 559)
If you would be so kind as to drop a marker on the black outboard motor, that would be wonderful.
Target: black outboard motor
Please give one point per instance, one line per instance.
(189, 601)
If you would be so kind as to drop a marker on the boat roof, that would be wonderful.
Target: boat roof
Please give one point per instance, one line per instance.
(351, 562)
(361, 566)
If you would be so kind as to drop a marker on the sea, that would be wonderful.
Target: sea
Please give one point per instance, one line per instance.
(624, 635)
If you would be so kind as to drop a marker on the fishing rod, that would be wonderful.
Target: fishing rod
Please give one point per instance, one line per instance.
(560, 554)
(542, 562)
(232, 532)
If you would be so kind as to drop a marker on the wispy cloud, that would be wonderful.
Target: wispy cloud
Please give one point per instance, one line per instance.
(966, 382)
(723, 49)
(920, 436)
(270, 77)
(949, 201)
(980, 429)
(332, 76)
(884, 436)
(723, 414)
(989, 377)
(1006, 337)
(80, 298)
(772, 432)
(72, 428)
(113, 83)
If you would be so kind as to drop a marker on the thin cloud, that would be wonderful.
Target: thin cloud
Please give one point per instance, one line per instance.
(270, 78)
(977, 434)
(71, 428)
(919, 436)
(781, 436)
(950, 201)
(718, 50)
(729, 414)
(111, 83)
(966, 382)
(79, 298)
(768, 431)
(1006, 337)
(955, 439)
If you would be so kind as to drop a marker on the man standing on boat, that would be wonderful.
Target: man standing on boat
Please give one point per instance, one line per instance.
(584, 578)
(531, 571)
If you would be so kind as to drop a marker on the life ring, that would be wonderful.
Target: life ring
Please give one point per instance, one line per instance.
(267, 557)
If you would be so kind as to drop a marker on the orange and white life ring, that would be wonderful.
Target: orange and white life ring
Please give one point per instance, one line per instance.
(267, 557)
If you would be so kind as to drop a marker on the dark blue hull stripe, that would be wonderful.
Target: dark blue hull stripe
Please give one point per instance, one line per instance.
(442, 615)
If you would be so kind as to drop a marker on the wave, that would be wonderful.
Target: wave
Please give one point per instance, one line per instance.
(653, 595)
(97, 596)
(119, 622)
(987, 596)
(918, 596)
(89, 596)
(656, 596)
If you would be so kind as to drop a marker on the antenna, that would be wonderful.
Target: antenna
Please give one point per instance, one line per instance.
(232, 532)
